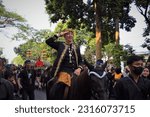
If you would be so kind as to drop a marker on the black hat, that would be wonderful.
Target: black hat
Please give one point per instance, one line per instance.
(27, 61)
(99, 62)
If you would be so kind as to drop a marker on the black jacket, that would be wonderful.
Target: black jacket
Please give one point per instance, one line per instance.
(6, 89)
(26, 81)
(62, 49)
(127, 89)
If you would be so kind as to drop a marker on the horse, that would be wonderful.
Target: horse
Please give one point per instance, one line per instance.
(99, 85)
(99, 82)
(78, 90)
(91, 84)
(80, 86)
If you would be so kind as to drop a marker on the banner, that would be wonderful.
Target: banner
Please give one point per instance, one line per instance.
(74, 108)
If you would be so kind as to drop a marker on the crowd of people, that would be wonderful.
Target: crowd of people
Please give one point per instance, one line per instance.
(19, 82)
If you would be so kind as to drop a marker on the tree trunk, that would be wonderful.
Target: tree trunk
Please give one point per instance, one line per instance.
(98, 30)
(117, 38)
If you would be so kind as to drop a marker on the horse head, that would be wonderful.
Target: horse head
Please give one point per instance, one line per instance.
(99, 81)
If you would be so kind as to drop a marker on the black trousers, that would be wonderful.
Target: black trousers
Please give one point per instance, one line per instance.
(57, 91)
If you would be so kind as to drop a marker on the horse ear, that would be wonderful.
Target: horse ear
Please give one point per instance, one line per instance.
(104, 65)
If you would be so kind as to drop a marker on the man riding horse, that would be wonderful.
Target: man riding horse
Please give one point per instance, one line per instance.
(67, 65)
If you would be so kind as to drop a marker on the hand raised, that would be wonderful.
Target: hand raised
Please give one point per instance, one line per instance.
(62, 33)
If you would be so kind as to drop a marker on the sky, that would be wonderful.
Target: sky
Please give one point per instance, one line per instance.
(35, 14)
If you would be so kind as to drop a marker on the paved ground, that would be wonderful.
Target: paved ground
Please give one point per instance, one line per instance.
(40, 94)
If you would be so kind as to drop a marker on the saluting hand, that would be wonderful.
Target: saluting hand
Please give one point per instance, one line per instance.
(62, 33)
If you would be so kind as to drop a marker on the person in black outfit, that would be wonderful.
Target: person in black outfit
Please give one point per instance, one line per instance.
(26, 81)
(6, 88)
(68, 62)
(133, 87)
(111, 75)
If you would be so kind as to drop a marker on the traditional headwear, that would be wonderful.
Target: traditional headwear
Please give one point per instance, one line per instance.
(99, 63)
(69, 30)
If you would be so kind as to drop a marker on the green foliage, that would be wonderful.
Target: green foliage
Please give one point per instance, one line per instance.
(8, 18)
(18, 60)
(36, 51)
(73, 10)
(79, 15)
(109, 50)
(35, 42)
(81, 36)
(90, 50)
(84, 37)
(26, 33)
(115, 53)
(128, 51)
(121, 9)
(143, 6)
(90, 55)
(146, 44)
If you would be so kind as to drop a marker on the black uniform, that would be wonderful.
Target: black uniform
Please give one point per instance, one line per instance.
(68, 59)
(127, 89)
(6, 89)
(28, 83)
(62, 61)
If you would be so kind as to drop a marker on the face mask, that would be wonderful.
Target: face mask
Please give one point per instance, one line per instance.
(137, 70)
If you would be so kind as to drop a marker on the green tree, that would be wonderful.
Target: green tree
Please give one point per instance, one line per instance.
(18, 60)
(8, 18)
(115, 53)
(27, 32)
(35, 43)
(34, 47)
(109, 50)
(146, 44)
(118, 14)
(128, 51)
(143, 6)
(91, 15)
(90, 55)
